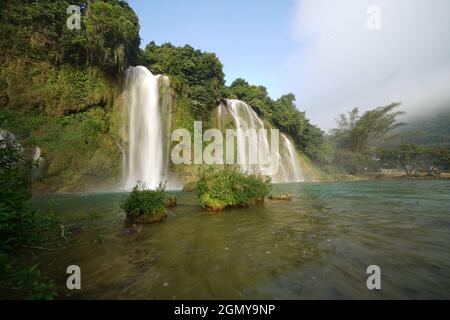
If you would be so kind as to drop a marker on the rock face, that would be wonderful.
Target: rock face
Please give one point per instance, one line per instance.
(146, 218)
(7, 136)
(32, 153)
(281, 196)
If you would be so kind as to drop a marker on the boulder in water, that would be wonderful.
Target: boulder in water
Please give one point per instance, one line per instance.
(146, 218)
(214, 207)
(281, 196)
(134, 229)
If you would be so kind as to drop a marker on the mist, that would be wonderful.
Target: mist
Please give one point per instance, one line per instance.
(349, 55)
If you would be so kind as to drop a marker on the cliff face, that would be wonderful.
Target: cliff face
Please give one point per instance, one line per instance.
(60, 88)
(69, 116)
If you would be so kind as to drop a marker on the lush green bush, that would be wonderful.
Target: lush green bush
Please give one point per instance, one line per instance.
(196, 75)
(108, 38)
(142, 200)
(20, 225)
(221, 187)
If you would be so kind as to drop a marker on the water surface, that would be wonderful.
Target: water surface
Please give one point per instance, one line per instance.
(316, 246)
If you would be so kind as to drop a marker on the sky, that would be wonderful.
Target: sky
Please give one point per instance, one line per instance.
(333, 55)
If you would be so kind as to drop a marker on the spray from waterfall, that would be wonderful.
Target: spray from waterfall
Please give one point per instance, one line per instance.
(147, 103)
(241, 116)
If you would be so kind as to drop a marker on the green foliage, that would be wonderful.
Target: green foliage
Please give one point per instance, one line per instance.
(286, 117)
(413, 156)
(112, 34)
(142, 200)
(77, 148)
(255, 96)
(219, 188)
(356, 136)
(320, 147)
(20, 225)
(355, 163)
(57, 86)
(194, 74)
(30, 279)
(68, 89)
(109, 35)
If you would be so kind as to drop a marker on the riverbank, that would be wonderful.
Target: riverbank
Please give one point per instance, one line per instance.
(388, 175)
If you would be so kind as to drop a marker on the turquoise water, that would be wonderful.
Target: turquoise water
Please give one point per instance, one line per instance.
(316, 246)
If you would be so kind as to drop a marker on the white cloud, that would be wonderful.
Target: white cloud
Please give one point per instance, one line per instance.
(341, 64)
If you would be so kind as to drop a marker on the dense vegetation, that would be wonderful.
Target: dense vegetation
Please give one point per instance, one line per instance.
(197, 76)
(412, 157)
(59, 87)
(20, 225)
(375, 140)
(36, 31)
(142, 200)
(226, 186)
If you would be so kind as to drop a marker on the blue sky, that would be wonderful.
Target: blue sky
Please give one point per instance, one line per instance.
(250, 37)
(321, 50)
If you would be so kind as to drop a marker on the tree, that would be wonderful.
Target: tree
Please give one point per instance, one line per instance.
(195, 74)
(356, 133)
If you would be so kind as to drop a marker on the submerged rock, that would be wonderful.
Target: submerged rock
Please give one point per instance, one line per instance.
(146, 218)
(214, 207)
(218, 206)
(281, 196)
(134, 229)
(171, 201)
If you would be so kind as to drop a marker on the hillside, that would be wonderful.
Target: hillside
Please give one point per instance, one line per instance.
(428, 129)
(60, 89)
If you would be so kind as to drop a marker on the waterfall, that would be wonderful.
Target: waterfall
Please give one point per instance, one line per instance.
(147, 103)
(239, 115)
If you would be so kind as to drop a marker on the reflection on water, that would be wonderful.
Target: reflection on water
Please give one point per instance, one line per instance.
(316, 246)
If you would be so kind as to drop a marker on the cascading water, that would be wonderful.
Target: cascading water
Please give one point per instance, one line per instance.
(240, 115)
(148, 103)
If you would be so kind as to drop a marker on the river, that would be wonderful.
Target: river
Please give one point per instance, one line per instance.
(318, 245)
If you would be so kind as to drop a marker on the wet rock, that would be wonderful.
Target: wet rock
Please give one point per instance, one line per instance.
(214, 207)
(134, 229)
(146, 218)
(281, 196)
